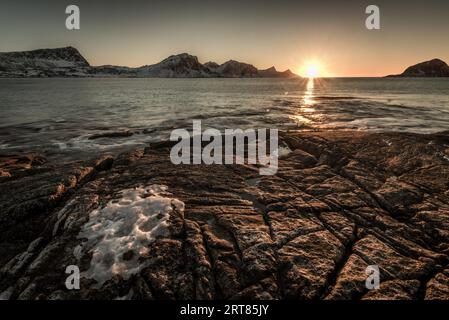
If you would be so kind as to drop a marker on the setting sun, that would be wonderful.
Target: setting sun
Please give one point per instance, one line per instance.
(312, 70)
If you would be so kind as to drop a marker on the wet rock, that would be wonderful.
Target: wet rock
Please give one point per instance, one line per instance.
(104, 163)
(19, 164)
(114, 134)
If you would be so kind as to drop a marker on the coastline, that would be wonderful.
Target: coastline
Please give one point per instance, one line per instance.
(341, 201)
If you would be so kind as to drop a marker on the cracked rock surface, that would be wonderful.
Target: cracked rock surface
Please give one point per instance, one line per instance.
(340, 202)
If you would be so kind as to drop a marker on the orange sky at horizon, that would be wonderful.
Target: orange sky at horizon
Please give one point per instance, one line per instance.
(287, 34)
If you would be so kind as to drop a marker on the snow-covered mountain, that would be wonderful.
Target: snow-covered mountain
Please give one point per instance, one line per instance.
(68, 62)
(176, 66)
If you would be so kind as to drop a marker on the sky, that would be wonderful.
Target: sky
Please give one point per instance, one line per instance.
(287, 34)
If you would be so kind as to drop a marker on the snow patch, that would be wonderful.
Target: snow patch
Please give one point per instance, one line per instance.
(283, 151)
(119, 234)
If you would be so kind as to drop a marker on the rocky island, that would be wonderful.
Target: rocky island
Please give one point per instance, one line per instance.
(435, 68)
(68, 62)
(341, 201)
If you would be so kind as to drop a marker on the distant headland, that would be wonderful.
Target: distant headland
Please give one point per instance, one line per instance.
(435, 68)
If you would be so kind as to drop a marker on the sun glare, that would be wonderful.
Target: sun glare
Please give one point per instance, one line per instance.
(312, 70)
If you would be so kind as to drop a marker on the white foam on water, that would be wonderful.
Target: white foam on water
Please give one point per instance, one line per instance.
(3, 145)
(84, 143)
(125, 225)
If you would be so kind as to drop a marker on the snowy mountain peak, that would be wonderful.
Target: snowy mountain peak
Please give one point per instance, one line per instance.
(65, 61)
(181, 65)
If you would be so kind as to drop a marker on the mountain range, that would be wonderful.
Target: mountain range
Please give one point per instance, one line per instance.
(68, 62)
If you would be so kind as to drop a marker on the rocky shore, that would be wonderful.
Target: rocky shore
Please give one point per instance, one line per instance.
(341, 201)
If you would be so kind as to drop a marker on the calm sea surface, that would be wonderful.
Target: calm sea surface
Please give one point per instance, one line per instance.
(57, 116)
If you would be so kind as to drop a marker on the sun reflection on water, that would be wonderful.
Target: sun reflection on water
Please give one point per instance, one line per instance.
(308, 96)
(306, 105)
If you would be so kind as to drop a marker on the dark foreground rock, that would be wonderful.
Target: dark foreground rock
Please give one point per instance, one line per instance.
(339, 203)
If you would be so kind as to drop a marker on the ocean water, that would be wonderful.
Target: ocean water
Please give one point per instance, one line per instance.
(57, 116)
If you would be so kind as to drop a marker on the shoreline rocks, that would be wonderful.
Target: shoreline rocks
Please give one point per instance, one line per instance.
(340, 202)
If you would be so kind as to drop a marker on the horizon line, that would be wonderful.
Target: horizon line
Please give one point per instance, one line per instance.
(196, 56)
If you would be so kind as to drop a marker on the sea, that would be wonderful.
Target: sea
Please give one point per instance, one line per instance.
(58, 117)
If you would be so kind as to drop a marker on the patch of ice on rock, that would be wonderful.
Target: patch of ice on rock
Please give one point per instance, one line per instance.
(125, 226)
(283, 151)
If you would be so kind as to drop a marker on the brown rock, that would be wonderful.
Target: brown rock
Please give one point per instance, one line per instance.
(340, 202)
